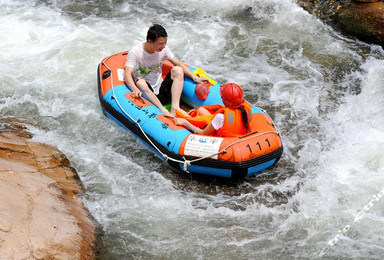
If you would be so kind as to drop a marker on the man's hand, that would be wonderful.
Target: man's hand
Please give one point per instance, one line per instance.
(201, 79)
(136, 93)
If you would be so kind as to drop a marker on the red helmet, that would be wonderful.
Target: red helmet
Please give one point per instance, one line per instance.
(232, 95)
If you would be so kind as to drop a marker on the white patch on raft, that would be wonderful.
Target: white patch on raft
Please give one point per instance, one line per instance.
(202, 146)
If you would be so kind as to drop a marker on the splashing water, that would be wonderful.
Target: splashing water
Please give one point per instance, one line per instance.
(325, 93)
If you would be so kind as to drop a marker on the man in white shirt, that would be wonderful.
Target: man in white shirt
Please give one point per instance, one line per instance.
(143, 71)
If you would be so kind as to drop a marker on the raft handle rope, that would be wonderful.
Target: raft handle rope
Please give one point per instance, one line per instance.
(185, 162)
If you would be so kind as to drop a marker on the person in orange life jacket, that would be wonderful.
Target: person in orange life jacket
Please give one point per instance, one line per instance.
(232, 96)
(143, 71)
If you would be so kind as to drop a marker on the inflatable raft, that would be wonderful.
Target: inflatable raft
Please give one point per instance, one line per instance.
(229, 157)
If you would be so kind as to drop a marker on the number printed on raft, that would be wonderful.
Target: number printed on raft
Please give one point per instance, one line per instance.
(258, 146)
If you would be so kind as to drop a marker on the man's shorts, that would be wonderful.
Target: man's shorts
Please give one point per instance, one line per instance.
(165, 94)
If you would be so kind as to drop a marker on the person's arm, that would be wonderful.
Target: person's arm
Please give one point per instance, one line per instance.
(136, 93)
(187, 72)
(209, 129)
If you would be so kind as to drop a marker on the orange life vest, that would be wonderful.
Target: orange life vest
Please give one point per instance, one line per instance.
(233, 122)
(198, 120)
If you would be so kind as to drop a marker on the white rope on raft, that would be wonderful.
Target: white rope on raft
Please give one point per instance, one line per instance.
(185, 162)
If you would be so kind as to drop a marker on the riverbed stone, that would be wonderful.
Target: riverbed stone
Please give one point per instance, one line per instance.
(365, 21)
(41, 214)
(366, 1)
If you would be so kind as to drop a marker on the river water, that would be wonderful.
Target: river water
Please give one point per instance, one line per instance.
(325, 92)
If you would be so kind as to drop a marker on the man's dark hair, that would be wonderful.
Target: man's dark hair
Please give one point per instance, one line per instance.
(156, 31)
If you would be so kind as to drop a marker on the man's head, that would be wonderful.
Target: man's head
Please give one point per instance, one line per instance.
(155, 32)
(157, 37)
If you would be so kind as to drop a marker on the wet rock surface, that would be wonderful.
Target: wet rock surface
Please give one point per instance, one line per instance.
(41, 214)
(363, 19)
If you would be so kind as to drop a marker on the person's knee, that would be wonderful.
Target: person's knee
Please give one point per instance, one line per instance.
(177, 72)
(142, 85)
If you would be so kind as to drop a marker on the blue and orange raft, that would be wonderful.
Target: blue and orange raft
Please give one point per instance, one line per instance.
(229, 157)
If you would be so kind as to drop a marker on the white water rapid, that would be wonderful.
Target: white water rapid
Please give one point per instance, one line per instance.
(325, 92)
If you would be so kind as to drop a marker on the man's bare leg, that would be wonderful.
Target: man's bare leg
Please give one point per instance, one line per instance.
(143, 86)
(177, 75)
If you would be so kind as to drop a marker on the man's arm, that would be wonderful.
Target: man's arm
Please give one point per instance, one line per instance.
(136, 93)
(187, 72)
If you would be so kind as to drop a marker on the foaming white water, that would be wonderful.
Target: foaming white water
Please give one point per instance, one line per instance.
(348, 173)
(324, 92)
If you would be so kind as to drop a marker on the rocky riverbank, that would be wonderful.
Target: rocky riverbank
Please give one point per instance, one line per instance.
(363, 19)
(41, 214)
